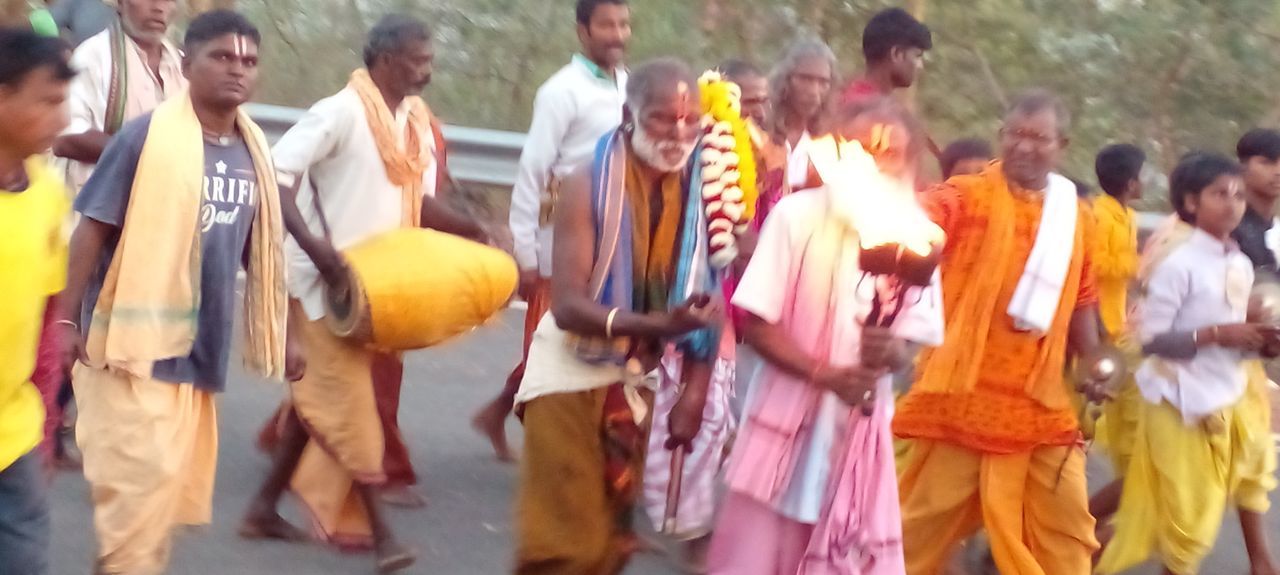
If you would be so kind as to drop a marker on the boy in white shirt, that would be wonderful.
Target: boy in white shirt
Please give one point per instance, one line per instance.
(1192, 440)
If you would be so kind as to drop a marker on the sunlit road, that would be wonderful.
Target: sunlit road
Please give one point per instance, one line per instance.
(466, 528)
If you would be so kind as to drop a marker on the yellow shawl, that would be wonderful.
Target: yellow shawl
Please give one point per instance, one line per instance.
(970, 300)
(150, 298)
(405, 162)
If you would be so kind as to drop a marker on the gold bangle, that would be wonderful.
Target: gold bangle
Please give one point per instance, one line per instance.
(608, 323)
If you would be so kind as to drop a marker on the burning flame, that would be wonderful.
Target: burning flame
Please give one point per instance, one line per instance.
(882, 209)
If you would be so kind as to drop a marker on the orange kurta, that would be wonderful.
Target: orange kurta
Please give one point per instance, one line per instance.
(1115, 260)
(1019, 399)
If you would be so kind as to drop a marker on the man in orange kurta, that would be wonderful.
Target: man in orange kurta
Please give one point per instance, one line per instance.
(996, 436)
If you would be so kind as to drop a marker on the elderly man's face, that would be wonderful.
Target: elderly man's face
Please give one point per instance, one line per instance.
(148, 20)
(755, 98)
(666, 128)
(1030, 147)
(809, 85)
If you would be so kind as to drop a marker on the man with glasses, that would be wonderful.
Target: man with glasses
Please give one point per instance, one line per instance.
(996, 438)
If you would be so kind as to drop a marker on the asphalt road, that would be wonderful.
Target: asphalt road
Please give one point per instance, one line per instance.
(466, 528)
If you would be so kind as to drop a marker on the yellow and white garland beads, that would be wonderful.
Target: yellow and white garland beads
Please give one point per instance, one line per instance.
(722, 193)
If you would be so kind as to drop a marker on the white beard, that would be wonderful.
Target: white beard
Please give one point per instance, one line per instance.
(653, 152)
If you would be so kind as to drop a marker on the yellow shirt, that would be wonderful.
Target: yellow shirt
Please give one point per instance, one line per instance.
(33, 260)
(1115, 259)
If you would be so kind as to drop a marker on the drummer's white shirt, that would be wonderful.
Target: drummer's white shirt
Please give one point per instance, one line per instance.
(334, 147)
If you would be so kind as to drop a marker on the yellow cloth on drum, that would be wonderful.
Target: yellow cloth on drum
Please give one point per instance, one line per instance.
(150, 451)
(335, 401)
(424, 287)
(1178, 484)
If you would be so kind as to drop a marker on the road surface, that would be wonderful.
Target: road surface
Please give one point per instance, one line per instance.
(466, 528)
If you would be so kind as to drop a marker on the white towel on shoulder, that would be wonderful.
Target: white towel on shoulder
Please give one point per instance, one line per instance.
(1036, 299)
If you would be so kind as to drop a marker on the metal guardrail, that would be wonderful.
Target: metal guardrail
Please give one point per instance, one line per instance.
(489, 157)
(476, 155)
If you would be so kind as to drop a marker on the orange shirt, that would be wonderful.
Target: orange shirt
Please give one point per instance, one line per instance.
(1115, 260)
(997, 415)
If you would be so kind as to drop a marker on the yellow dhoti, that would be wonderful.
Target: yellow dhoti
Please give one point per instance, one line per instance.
(1255, 475)
(1181, 479)
(335, 402)
(150, 452)
(1034, 506)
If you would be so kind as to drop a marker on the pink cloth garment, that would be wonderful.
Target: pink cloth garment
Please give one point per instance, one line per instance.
(753, 539)
(860, 531)
(702, 465)
(802, 454)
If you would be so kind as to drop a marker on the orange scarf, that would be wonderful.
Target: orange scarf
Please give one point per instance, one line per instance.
(970, 304)
(405, 162)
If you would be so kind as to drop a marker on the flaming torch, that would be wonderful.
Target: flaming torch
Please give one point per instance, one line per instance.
(899, 247)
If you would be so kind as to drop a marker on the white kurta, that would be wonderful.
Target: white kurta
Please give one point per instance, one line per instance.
(334, 147)
(572, 110)
(87, 94)
(1202, 283)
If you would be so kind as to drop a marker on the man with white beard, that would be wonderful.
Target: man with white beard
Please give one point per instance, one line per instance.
(619, 298)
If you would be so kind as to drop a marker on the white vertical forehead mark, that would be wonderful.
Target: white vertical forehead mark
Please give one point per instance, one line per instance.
(682, 95)
(242, 46)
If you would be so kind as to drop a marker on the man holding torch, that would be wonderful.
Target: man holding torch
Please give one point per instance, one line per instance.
(997, 441)
(811, 481)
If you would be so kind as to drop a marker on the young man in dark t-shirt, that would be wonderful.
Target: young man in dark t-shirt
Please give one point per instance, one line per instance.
(1258, 236)
(182, 200)
(1259, 239)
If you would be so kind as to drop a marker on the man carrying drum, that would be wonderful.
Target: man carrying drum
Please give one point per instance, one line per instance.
(364, 161)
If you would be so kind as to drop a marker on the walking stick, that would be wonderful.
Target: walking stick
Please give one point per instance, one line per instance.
(669, 517)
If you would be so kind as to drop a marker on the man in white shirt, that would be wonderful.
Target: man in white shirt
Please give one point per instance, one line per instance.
(362, 162)
(123, 72)
(572, 110)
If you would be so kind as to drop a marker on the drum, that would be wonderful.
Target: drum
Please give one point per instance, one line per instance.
(414, 288)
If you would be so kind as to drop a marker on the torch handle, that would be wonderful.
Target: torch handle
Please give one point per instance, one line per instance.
(672, 512)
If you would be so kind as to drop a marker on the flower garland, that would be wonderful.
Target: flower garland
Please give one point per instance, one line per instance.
(728, 167)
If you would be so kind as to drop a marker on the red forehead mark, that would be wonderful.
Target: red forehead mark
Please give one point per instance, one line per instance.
(242, 46)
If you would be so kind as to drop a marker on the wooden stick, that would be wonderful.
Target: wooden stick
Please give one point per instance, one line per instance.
(670, 516)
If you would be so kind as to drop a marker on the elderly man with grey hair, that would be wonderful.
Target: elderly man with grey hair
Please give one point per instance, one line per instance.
(801, 94)
(357, 165)
(622, 240)
(123, 72)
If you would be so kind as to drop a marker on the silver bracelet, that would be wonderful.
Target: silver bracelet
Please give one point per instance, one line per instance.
(73, 324)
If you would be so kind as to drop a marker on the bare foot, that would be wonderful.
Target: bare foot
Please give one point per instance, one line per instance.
(270, 526)
(1264, 569)
(393, 557)
(694, 560)
(492, 423)
(402, 496)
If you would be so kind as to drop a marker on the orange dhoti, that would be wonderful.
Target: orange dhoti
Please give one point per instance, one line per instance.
(996, 438)
(1033, 504)
(150, 450)
(336, 403)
